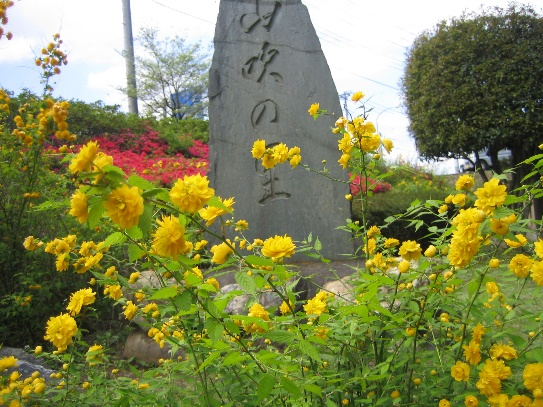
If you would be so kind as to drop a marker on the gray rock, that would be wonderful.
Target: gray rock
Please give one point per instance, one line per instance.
(26, 363)
(268, 68)
(138, 345)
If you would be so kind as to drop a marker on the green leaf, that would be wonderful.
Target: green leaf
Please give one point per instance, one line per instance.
(134, 233)
(137, 181)
(265, 386)
(210, 359)
(313, 388)
(308, 349)
(184, 300)
(246, 282)
(234, 358)
(258, 261)
(163, 293)
(290, 387)
(134, 252)
(318, 245)
(280, 336)
(96, 211)
(214, 329)
(216, 203)
(153, 192)
(114, 239)
(146, 219)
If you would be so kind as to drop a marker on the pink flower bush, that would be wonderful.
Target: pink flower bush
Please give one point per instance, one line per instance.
(363, 183)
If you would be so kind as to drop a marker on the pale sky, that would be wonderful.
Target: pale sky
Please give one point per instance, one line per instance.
(365, 43)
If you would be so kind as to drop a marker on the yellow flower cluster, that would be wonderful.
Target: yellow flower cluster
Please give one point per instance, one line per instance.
(211, 213)
(169, 238)
(257, 311)
(4, 5)
(275, 154)
(191, 193)
(79, 299)
(51, 59)
(16, 388)
(60, 331)
(278, 247)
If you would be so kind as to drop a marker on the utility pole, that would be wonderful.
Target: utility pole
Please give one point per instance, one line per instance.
(128, 54)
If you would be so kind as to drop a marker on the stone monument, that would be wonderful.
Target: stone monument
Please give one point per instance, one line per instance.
(267, 69)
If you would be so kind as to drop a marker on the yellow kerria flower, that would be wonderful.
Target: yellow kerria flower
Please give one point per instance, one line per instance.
(124, 206)
(497, 368)
(369, 142)
(314, 109)
(538, 248)
(92, 356)
(79, 299)
(315, 306)
(459, 199)
(62, 263)
(259, 147)
(410, 250)
(472, 352)
(471, 401)
(499, 350)
(464, 182)
(191, 193)
(278, 247)
(280, 153)
(221, 252)
(357, 96)
(60, 331)
(491, 196)
(31, 243)
(83, 160)
(391, 242)
(211, 213)
(520, 265)
(533, 376)
(295, 160)
(100, 162)
(79, 206)
(536, 273)
(488, 384)
(388, 145)
(521, 241)
(169, 238)
(444, 403)
(499, 226)
(460, 371)
(130, 310)
(345, 144)
(344, 160)
(257, 311)
(7, 362)
(114, 291)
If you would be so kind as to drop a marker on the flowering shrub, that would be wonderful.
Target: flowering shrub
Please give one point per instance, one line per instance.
(450, 323)
(367, 184)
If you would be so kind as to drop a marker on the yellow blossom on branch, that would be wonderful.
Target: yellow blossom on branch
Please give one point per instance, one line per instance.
(79, 299)
(169, 238)
(60, 331)
(278, 247)
(124, 206)
(191, 193)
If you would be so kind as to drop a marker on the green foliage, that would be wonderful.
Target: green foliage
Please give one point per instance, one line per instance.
(170, 67)
(179, 134)
(88, 120)
(474, 83)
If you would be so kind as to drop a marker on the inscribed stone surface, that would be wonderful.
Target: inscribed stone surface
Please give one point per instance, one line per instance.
(267, 69)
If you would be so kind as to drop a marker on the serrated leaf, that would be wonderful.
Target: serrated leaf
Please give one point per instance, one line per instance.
(246, 282)
(280, 336)
(290, 387)
(308, 349)
(214, 329)
(134, 233)
(258, 261)
(146, 219)
(234, 358)
(142, 183)
(210, 359)
(96, 211)
(114, 239)
(134, 252)
(318, 245)
(184, 300)
(313, 388)
(265, 386)
(216, 203)
(163, 293)
(153, 192)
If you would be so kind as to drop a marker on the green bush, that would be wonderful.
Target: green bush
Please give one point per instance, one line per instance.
(179, 134)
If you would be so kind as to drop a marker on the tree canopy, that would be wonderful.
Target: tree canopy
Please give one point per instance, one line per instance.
(171, 76)
(475, 83)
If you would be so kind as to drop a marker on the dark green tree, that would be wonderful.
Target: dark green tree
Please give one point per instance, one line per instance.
(475, 83)
(169, 71)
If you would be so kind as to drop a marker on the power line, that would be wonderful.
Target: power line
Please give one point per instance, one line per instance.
(182, 12)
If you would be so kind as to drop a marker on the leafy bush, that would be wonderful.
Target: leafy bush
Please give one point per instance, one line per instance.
(179, 134)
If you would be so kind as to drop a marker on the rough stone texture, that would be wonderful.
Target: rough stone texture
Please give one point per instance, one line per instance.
(26, 363)
(268, 68)
(138, 345)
